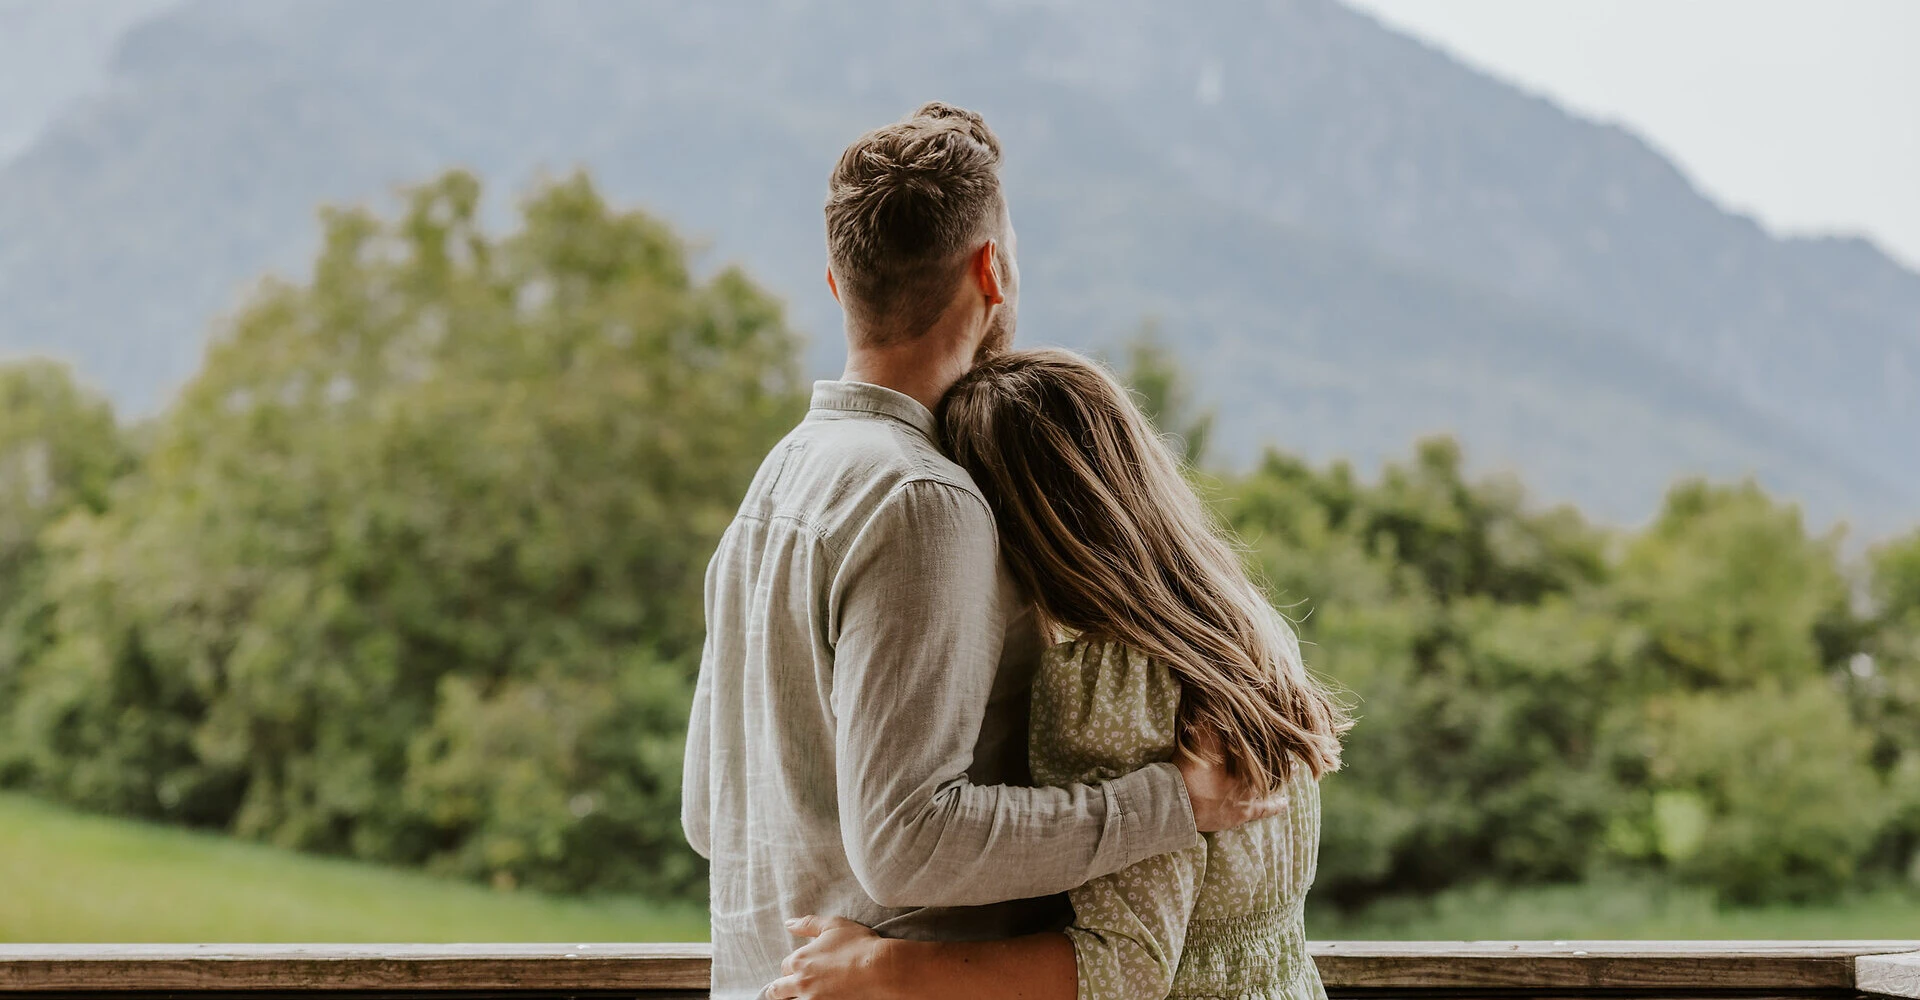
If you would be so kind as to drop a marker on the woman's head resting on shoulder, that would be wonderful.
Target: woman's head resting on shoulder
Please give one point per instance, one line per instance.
(1101, 527)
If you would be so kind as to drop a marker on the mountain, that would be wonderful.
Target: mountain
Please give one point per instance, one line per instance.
(54, 53)
(1350, 238)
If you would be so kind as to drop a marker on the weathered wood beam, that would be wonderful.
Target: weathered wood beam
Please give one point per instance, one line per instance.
(1347, 967)
(1590, 965)
(1889, 975)
(332, 967)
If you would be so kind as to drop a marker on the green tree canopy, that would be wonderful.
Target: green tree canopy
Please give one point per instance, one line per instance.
(1538, 697)
(60, 451)
(412, 571)
(413, 568)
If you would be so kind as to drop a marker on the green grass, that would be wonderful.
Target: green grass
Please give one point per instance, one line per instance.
(1618, 909)
(67, 876)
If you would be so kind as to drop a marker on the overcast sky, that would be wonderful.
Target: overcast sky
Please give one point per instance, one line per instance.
(1802, 113)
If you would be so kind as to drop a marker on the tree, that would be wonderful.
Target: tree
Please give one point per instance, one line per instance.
(1883, 682)
(1727, 587)
(427, 531)
(1538, 698)
(1467, 628)
(1763, 792)
(60, 451)
(1165, 394)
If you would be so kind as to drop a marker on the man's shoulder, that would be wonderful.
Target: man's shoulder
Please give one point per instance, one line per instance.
(840, 475)
(882, 456)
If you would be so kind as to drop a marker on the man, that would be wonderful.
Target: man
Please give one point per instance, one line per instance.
(857, 746)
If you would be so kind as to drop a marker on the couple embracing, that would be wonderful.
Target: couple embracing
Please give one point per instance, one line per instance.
(989, 706)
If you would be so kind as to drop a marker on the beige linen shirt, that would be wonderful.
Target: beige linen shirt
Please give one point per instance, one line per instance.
(857, 745)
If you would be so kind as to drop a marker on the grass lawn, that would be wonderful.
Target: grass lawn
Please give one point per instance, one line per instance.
(1618, 909)
(66, 876)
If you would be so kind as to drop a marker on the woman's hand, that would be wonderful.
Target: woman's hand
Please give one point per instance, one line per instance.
(843, 961)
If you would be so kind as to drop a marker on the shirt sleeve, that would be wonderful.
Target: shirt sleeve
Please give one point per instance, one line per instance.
(1101, 710)
(917, 624)
(696, 766)
(695, 810)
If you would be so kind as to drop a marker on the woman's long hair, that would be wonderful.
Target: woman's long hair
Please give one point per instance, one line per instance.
(1109, 540)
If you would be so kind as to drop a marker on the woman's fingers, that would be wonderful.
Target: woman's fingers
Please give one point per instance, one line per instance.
(785, 988)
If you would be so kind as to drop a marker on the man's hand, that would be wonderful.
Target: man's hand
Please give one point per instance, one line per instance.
(844, 961)
(1219, 800)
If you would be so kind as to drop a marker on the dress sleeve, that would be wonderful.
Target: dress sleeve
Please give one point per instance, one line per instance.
(1101, 710)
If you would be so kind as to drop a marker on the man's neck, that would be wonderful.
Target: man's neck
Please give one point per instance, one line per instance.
(924, 369)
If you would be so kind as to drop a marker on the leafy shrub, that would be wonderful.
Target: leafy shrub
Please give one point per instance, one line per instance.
(1539, 698)
(1764, 793)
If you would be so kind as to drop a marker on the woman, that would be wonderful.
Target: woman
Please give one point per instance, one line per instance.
(1165, 646)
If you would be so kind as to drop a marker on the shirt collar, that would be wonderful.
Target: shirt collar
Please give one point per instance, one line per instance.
(867, 399)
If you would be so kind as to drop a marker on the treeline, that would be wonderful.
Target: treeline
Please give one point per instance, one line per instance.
(411, 571)
(1720, 696)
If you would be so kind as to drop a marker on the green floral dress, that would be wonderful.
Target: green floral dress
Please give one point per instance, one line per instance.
(1221, 919)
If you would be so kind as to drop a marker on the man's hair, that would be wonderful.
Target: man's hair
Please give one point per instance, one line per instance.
(906, 204)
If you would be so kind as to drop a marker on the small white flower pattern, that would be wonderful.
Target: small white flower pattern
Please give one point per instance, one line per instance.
(1221, 920)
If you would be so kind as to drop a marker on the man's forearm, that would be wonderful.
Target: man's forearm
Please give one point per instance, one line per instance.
(1035, 967)
(983, 844)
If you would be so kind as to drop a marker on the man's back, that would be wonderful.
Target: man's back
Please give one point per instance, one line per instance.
(839, 506)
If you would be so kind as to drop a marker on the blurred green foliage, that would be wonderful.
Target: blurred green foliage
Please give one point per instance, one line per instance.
(60, 453)
(412, 571)
(1541, 700)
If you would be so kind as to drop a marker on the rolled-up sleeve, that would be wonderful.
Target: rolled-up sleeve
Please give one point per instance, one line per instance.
(917, 627)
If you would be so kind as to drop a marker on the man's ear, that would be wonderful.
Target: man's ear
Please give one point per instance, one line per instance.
(833, 286)
(986, 271)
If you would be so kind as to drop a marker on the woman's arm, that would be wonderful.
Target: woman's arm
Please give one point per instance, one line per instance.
(1100, 709)
(848, 961)
(1130, 927)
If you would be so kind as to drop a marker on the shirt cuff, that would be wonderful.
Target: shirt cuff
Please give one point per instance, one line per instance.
(1156, 816)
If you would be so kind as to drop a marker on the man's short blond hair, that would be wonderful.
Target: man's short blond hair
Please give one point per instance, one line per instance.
(906, 205)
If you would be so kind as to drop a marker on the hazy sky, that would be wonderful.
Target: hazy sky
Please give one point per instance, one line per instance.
(1803, 113)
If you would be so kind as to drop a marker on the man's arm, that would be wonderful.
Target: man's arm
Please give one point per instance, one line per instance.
(1127, 935)
(917, 629)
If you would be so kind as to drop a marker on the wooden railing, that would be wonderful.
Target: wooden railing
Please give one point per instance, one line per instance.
(1637, 969)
